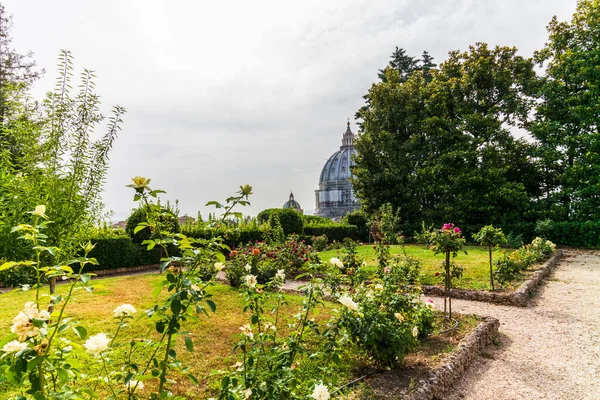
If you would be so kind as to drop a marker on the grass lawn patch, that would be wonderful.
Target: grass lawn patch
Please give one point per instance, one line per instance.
(213, 337)
(476, 274)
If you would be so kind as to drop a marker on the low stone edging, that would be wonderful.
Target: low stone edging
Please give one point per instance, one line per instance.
(125, 270)
(438, 381)
(519, 297)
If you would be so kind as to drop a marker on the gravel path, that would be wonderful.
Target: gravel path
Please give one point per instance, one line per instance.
(549, 350)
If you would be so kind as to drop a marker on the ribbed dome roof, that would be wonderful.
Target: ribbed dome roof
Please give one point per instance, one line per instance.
(337, 167)
(291, 203)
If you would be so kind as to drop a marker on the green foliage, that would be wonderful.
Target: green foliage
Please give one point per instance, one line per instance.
(333, 231)
(315, 220)
(543, 227)
(264, 259)
(320, 242)
(387, 223)
(490, 237)
(361, 221)
(449, 241)
(406, 268)
(350, 262)
(514, 241)
(577, 234)
(274, 233)
(19, 276)
(58, 164)
(509, 267)
(440, 148)
(167, 219)
(269, 356)
(544, 247)
(121, 252)
(291, 220)
(385, 321)
(506, 269)
(566, 120)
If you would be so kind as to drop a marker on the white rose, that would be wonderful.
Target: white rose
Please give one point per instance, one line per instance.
(248, 267)
(40, 211)
(134, 385)
(337, 262)
(97, 344)
(280, 275)
(320, 393)
(251, 281)
(247, 330)
(124, 310)
(348, 302)
(14, 346)
(415, 331)
(219, 266)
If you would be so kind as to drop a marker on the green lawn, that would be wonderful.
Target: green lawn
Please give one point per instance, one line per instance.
(476, 274)
(213, 338)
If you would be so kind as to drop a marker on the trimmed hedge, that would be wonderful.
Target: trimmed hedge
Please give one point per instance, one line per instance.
(334, 232)
(231, 237)
(576, 234)
(121, 252)
(291, 220)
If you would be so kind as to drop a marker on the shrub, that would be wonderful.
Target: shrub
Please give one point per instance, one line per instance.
(406, 268)
(506, 269)
(387, 322)
(18, 276)
(333, 231)
(361, 221)
(319, 242)
(316, 220)
(514, 241)
(575, 233)
(167, 220)
(543, 247)
(291, 220)
(274, 233)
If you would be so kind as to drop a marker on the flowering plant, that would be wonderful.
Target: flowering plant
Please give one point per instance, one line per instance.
(46, 363)
(386, 319)
(268, 366)
(449, 241)
(490, 237)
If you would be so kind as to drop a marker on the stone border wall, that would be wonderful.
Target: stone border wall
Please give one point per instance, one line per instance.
(519, 297)
(117, 271)
(440, 380)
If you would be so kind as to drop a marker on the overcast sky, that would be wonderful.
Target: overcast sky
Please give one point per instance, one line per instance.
(220, 94)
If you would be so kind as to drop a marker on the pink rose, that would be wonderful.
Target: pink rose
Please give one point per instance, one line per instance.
(457, 230)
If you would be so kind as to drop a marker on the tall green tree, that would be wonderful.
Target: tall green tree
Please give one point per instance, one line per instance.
(439, 148)
(566, 123)
(65, 161)
(17, 72)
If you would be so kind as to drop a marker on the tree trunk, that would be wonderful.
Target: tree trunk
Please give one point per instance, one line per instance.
(448, 287)
(491, 273)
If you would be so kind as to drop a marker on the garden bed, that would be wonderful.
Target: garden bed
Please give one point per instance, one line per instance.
(519, 297)
(431, 370)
